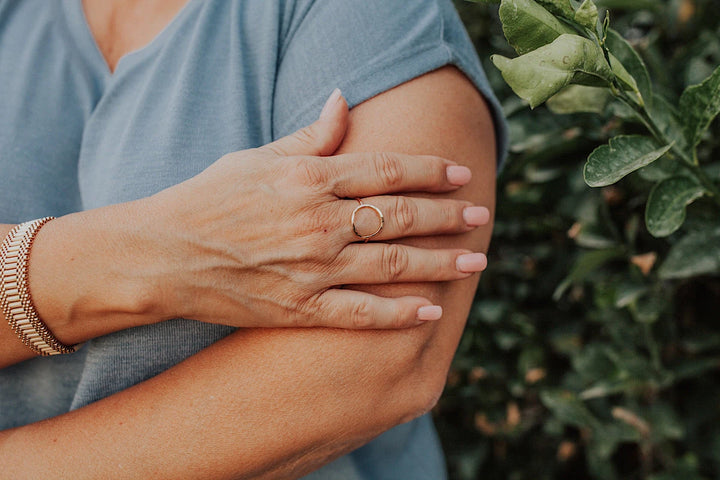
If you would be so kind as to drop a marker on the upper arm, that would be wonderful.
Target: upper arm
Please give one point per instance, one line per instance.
(440, 113)
(392, 66)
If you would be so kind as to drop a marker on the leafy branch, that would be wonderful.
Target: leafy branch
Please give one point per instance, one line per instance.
(570, 56)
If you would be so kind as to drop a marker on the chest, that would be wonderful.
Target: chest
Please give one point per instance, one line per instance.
(173, 106)
(74, 135)
(120, 27)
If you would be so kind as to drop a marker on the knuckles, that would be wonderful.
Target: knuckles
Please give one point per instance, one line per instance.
(394, 262)
(389, 169)
(403, 318)
(307, 171)
(452, 213)
(406, 214)
(361, 316)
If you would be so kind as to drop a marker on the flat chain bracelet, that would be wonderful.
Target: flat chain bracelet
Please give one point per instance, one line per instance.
(15, 298)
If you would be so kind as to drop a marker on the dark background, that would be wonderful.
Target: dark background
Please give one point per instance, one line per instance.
(616, 373)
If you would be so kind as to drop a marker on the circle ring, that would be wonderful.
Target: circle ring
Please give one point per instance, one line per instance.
(375, 209)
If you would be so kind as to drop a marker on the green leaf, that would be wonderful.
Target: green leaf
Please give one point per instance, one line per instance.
(667, 118)
(633, 64)
(579, 98)
(592, 363)
(665, 211)
(624, 154)
(697, 253)
(628, 294)
(627, 80)
(586, 264)
(699, 105)
(587, 15)
(661, 169)
(648, 308)
(664, 422)
(569, 409)
(593, 236)
(528, 26)
(633, 5)
(540, 74)
(562, 8)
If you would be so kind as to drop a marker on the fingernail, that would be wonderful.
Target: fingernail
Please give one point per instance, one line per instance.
(330, 103)
(458, 175)
(476, 216)
(427, 314)
(471, 262)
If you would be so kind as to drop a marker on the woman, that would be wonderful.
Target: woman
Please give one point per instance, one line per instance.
(122, 110)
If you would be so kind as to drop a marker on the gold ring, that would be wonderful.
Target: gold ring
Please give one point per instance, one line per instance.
(374, 209)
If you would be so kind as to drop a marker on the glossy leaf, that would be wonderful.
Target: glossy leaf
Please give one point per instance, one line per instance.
(579, 98)
(699, 105)
(630, 5)
(561, 8)
(667, 118)
(661, 169)
(569, 409)
(697, 253)
(623, 155)
(587, 15)
(665, 211)
(626, 80)
(528, 26)
(540, 74)
(633, 64)
(648, 308)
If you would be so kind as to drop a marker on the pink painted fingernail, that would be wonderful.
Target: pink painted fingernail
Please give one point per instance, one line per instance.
(471, 262)
(330, 103)
(431, 313)
(476, 216)
(458, 175)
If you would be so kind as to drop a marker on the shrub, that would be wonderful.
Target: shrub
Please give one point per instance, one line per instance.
(592, 350)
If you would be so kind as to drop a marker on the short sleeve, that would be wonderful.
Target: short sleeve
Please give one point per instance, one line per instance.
(367, 47)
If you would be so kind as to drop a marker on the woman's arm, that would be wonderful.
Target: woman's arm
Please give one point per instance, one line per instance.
(280, 403)
(253, 248)
(88, 277)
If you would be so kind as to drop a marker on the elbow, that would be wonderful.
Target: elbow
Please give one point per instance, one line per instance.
(422, 382)
(425, 399)
(420, 396)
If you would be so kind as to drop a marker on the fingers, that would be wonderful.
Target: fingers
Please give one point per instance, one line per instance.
(320, 138)
(408, 217)
(381, 263)
(367, 174)
(360, 310)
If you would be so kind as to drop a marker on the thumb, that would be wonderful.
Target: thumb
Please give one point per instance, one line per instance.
(320, 138)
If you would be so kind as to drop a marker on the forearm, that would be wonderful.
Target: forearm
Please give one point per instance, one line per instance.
(261, 402)
(89, 276)
(280, 403)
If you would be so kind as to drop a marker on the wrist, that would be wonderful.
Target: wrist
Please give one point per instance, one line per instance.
(89, 273)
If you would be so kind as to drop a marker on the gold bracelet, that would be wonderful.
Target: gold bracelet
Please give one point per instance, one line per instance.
(15, 297)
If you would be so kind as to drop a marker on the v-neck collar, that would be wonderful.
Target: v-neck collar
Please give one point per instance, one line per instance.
(86, 43)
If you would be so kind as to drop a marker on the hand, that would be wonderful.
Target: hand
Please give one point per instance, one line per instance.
(263, 237)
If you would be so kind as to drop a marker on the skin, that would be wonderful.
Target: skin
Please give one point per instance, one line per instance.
(279, 403)
(120, 27)
(100, 271)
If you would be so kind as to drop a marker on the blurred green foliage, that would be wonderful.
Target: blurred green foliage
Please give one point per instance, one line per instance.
(580, 359)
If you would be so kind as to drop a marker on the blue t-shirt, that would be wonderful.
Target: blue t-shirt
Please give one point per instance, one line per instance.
(224, 75)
